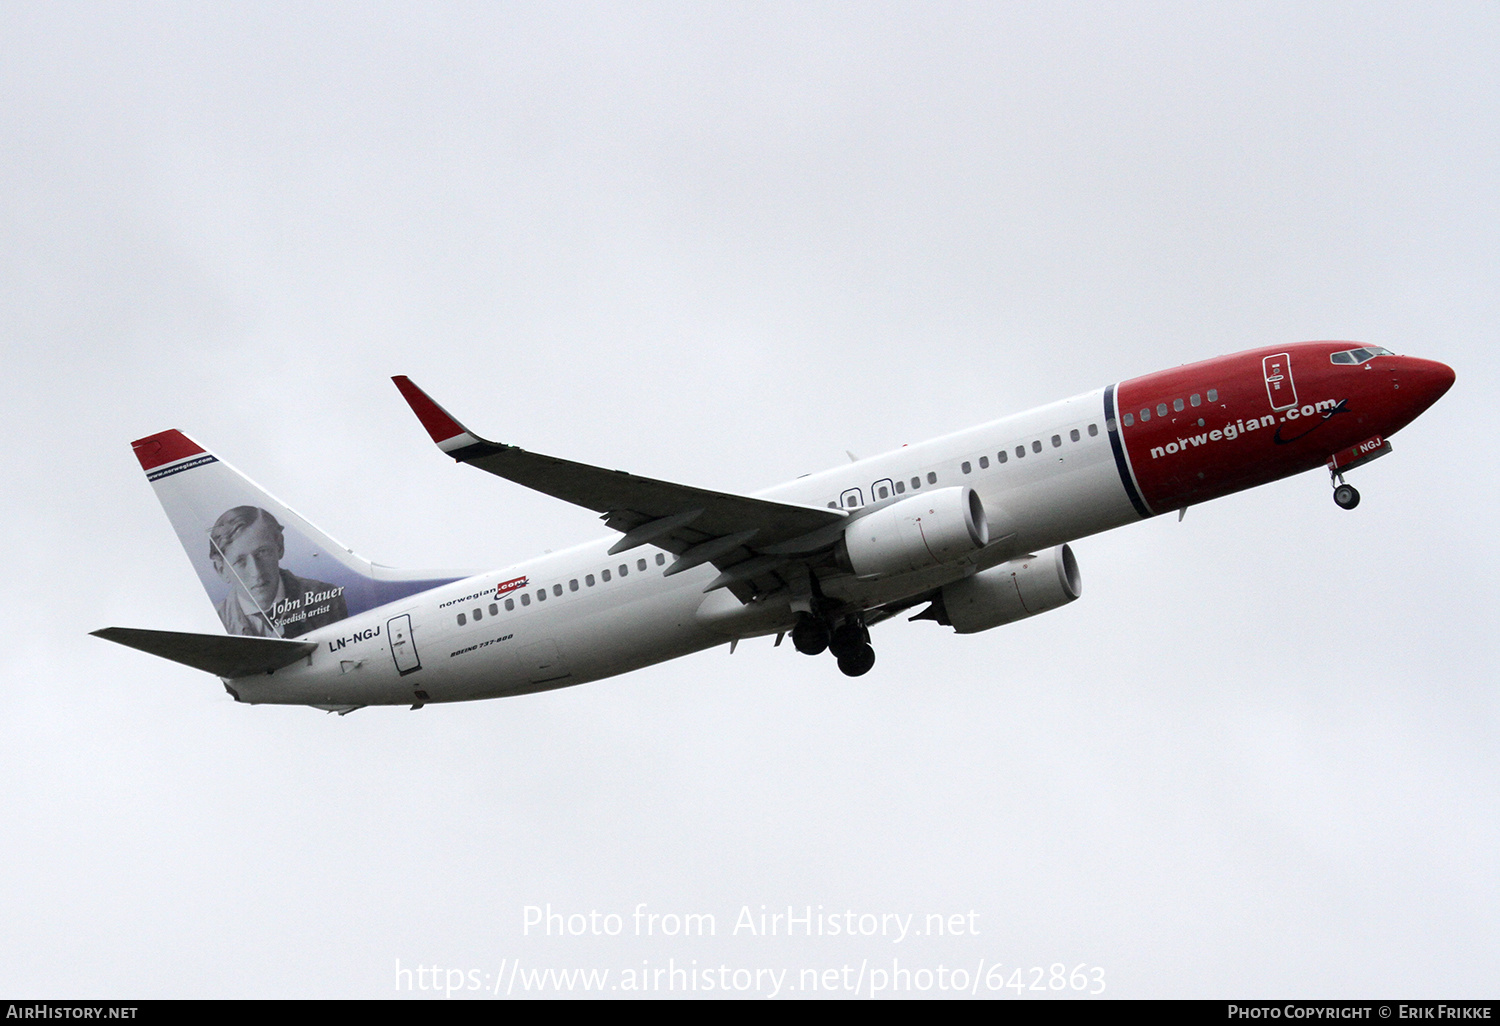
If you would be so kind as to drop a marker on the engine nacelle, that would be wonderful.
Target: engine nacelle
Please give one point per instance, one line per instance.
(920, 531)
(1009, 592)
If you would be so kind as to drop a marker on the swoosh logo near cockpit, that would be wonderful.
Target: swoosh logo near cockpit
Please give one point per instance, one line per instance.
(1341, 407)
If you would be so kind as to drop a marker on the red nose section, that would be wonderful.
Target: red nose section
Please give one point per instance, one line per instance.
(1425, 381)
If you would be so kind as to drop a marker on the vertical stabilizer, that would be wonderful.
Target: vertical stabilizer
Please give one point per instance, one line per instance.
(267, 571)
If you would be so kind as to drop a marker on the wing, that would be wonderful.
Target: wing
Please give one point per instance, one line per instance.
(751, 541)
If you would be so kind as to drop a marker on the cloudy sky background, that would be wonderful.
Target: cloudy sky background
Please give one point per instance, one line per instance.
(721, 244)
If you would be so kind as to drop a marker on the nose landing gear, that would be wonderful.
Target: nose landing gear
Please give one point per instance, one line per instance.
(1345, 496)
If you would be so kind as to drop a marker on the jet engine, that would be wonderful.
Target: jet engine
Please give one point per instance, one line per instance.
(1008, 592)
(920, 531)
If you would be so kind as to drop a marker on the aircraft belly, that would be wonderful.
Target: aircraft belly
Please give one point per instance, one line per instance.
(573, 643)
(652, 628)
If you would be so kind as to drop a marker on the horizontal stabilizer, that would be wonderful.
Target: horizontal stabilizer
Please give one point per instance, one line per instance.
(222, 655)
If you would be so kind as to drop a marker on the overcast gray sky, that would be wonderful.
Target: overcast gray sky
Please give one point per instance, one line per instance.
(722, 244)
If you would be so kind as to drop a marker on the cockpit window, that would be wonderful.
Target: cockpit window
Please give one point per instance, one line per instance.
(1358, 356)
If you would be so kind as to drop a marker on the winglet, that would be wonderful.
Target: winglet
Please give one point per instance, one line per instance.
(449, 434)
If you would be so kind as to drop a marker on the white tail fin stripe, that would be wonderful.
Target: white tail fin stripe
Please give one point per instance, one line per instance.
(177, 468)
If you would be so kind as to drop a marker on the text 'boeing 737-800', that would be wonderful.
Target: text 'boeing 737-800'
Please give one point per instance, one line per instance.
(973, 526)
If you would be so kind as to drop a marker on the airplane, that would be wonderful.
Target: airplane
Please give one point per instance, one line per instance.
(973, 526)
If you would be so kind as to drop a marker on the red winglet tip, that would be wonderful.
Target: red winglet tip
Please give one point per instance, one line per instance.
(433, 417)
(164, 447)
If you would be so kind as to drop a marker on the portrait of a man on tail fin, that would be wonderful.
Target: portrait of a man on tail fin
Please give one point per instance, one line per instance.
(246, 546)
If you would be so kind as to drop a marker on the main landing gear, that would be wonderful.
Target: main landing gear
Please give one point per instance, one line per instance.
(849, 642)
(810, 636)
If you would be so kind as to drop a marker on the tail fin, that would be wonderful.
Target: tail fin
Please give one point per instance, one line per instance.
(267, 571)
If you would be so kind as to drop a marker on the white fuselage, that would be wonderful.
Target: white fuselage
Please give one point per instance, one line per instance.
(464, 641)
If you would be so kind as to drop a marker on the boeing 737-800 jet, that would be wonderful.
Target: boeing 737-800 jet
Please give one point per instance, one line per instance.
(973, 526)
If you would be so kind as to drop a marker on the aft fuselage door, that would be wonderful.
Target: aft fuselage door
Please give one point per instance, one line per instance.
(403, 647)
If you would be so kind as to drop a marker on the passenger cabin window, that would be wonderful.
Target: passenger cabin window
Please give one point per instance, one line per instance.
(462, 619)
(931, 477)
(1145, 416)
(1093, 430)
(604, 576)
(1129, 420)
(510, 604)
(1073, 435)
(1057, 441)
(573, 584)
(478, 614)
(1036, 446)
(900, 487)
(1002, 455)
(541, 594)
(588, 579)
(916, 483)
(1213, 395)
(1161, 409)
(1178, 405)
(624, 570)
(640, 564)
(1020, 451)
(661, 560)
(984, 463)
(494, 609)
(526, 598)
(965, 467)
(557, 590)
(1195, 399)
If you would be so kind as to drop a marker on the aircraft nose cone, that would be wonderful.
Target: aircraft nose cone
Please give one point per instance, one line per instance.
(1427, 380)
